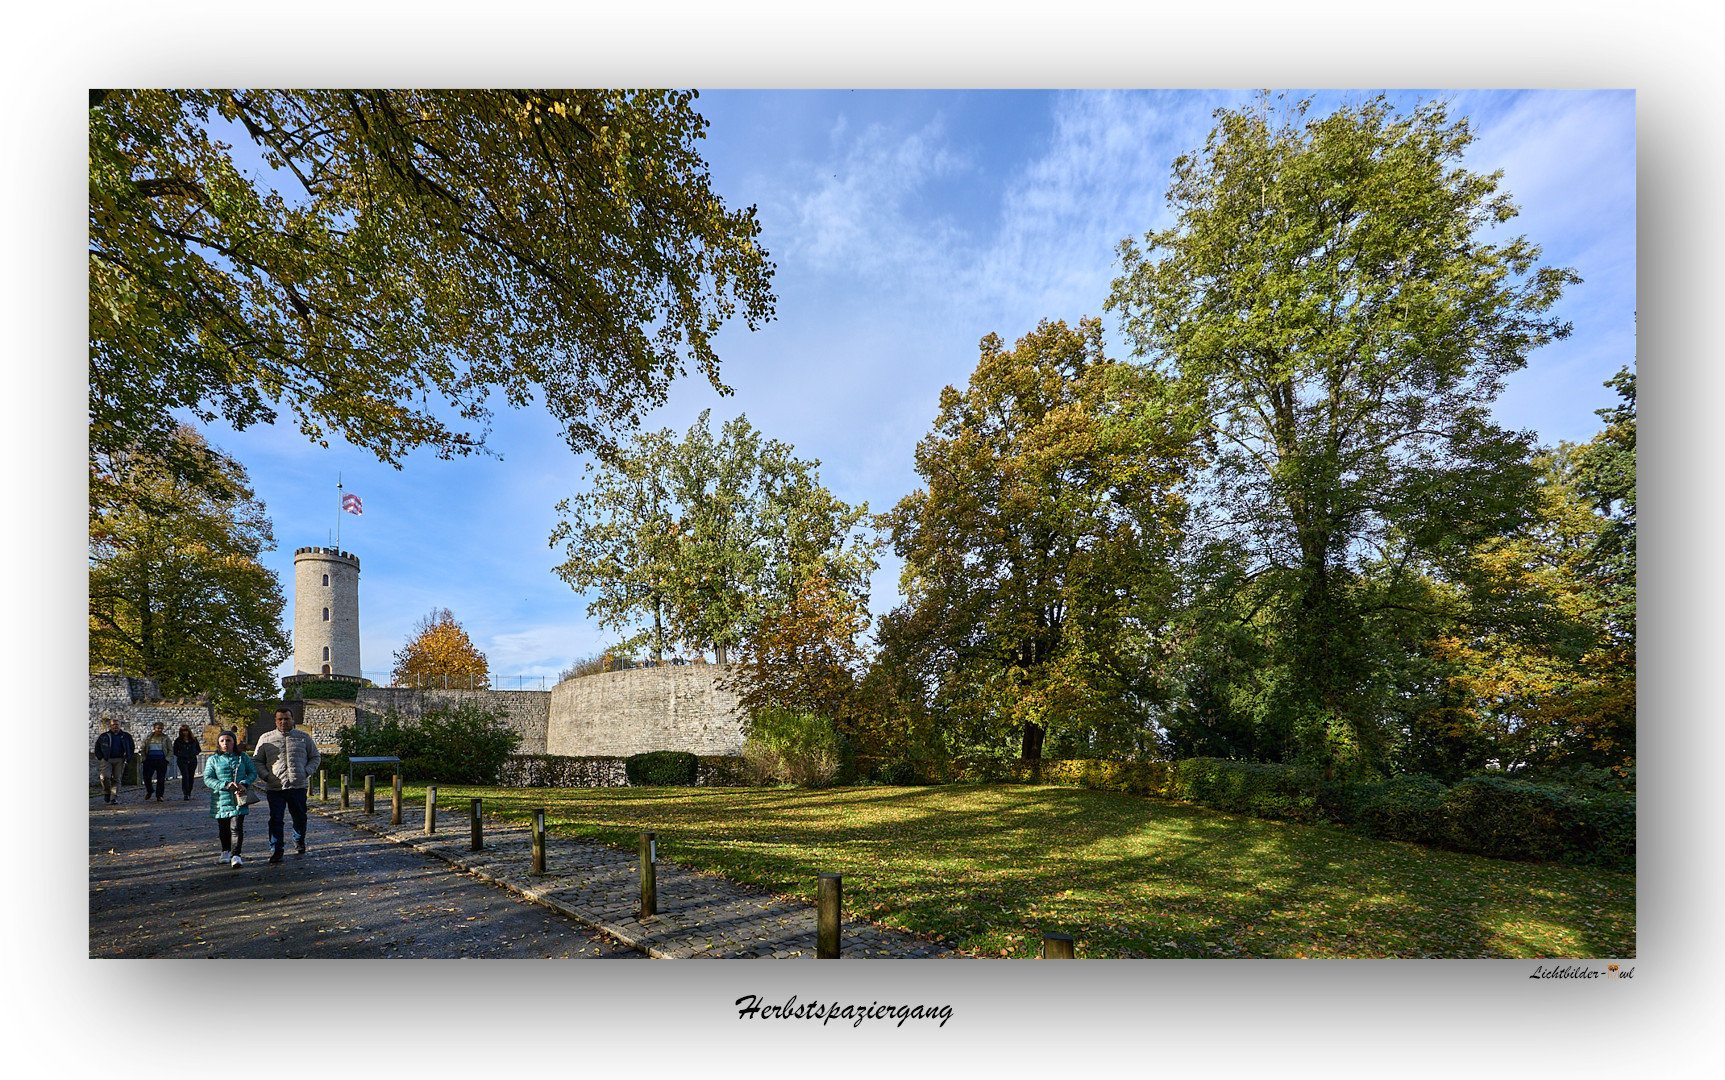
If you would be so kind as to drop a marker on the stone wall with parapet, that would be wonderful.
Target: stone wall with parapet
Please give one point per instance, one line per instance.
(618, 713)
(527, 711)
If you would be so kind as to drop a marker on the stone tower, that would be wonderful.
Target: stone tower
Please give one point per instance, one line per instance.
(325, 612)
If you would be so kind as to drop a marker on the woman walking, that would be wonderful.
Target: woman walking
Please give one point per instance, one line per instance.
(186, 750)
(226, 775)
(156, 749)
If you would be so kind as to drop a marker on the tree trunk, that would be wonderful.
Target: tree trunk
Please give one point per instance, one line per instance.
(1032, 741)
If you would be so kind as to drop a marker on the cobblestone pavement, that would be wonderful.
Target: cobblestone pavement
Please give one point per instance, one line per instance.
(699, 914)
(157, 890)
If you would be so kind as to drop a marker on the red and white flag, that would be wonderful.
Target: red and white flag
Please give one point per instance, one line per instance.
(350, 503)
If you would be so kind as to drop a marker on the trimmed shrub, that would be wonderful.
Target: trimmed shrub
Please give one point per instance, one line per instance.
(337, 690)
(560, 770)
(1403, 808)
(1515, 819)
(1277, 792)
(661, 768)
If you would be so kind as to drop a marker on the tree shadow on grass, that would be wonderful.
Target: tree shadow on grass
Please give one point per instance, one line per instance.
(991, 865)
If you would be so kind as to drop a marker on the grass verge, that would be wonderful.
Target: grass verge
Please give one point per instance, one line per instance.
(991, 866)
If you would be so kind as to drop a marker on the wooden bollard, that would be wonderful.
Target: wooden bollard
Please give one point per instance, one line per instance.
(370, 793)
(831, 897)
(344, 803)
(431, 808)
(395, 801)
(1057, 946)
(476, 827)
(649, 882)
(322, 786)
(539, 840)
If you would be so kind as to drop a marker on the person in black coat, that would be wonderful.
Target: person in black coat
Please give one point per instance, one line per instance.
(186, 750)
(114, 748)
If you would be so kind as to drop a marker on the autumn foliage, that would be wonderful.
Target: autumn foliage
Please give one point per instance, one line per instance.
(440, 653)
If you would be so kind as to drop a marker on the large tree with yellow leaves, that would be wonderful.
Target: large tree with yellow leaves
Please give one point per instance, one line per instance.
(440, 654)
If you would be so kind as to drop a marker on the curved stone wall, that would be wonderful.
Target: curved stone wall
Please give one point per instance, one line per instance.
(618, 713)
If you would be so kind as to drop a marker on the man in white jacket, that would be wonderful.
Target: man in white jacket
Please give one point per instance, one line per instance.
(286, 759)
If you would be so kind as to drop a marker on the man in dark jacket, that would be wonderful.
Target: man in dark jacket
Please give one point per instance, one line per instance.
(113, 749)
(286, 759)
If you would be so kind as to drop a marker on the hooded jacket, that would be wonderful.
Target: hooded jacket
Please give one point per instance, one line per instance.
(218, 772)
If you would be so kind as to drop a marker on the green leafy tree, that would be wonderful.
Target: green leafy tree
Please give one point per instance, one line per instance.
(1327, 309)
(1035, 558)
(706, 535)
(620, 540)
(409, 253)
(176, 589)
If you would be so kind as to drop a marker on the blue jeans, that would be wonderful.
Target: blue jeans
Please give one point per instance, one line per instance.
(289, 799)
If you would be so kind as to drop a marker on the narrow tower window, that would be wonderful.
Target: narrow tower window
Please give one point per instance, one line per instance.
(326, 614)
(326, 652)
(326, 579)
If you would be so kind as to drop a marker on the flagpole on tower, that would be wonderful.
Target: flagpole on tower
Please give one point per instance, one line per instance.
(338, 511)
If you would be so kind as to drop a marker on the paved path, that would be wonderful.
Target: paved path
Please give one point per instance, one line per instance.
(700, 915)
(156, 890)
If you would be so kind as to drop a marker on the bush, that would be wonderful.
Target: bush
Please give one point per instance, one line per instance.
(900, 772)
(1516, 819)
(562, 770)
(1278, 792)
(1403, 808)
(334, 689)
(662, 768)
(459, 743)
(784, 746)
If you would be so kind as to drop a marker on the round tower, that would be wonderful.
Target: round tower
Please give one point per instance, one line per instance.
(325, 612)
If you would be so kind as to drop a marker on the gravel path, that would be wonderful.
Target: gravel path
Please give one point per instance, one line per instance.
(156, 890)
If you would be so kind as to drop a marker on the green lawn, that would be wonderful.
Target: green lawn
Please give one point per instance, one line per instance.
(992, 866)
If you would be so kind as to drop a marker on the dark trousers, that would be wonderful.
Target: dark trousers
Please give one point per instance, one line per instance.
(232, 831)
(292, 800)
(158, 768)
(187, 765)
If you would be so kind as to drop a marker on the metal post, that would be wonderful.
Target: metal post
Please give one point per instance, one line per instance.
(370, 793)
(344, 791)
(431, 808)
(827, 919)
(322, 787)
(649, 882)
(539, 840)
(474, 823)
(395, 801)
(1057, 946)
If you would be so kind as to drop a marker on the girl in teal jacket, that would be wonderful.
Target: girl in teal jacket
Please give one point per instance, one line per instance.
(226, 775)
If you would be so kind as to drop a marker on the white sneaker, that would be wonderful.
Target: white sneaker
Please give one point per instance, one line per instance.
(237, 861)
(224, 857)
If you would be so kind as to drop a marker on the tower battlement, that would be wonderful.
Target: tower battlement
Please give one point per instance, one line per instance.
(325, 553)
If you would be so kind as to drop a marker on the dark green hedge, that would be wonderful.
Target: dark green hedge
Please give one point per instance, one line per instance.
(332, 690)
(1589, 822)
(662, 768)
(559, 770)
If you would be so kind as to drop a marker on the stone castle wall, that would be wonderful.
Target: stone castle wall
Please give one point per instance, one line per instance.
(138, 704)
(618, 713)
(528, 711)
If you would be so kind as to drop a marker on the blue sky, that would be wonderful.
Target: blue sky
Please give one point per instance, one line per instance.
(905, 226)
